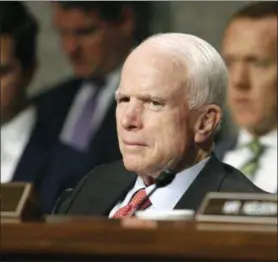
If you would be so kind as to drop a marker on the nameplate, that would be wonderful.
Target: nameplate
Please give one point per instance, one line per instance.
(238, 208)
(19, 202)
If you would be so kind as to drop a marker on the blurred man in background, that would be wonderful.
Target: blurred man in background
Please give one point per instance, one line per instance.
(250, 51)
(96, 37)
(25, 139)
(19, 126)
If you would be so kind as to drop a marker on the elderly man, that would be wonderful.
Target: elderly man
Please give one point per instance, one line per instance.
(250, 51)
(169, 104)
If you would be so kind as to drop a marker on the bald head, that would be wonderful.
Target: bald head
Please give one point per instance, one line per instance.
(195, 63)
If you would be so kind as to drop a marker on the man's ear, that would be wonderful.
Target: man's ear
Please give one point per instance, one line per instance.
(207, 123)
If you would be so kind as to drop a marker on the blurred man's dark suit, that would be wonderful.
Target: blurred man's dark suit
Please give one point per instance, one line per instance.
(224, 143)
(52, 165)
(104, 186)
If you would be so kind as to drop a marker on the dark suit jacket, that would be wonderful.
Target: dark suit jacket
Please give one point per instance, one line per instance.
(53, 166)
(100, 190)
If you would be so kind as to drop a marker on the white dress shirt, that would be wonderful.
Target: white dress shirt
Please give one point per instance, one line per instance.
(266, 175)
(14, 138)
(164, 198)
(107, 94)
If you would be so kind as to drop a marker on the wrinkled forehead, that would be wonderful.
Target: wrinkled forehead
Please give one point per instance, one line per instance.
(151, 70)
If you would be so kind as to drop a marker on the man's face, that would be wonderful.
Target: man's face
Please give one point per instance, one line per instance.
(153, 118)
(250, 50)
(13, 81)
(92, 45)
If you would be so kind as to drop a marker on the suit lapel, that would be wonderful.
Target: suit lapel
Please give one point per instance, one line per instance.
(114, 192)
(111, 189)
(108, 199)
(209, 180)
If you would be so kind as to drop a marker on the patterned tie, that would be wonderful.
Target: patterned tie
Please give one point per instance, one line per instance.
(81, 132)
(251, 166)
(135, 200)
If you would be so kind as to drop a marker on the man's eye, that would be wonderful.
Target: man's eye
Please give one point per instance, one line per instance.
(154, 104)
(262, 64)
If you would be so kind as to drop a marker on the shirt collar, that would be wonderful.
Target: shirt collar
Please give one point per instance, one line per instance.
(167, 197)
(269, 139)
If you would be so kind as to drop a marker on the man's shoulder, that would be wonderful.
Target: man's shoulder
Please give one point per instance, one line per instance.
(236, 181)
(104, 175)
(105, 171)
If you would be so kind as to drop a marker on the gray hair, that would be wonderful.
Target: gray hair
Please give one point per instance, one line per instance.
(206, 73)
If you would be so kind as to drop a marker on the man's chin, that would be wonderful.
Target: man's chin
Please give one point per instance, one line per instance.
(256, 127)
(134, 164)
(247, 122)
(131, 166)
(141, 168)
(82, 72)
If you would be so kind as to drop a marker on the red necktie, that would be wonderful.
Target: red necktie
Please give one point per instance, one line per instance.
(135, 200)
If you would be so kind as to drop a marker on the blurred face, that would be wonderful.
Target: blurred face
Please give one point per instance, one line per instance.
(250, 50)
(153, 118)
(13, 81)
(93, 46)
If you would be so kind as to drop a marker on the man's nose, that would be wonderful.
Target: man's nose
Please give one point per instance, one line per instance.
(131, 118)
(70, 44)
(239, 76)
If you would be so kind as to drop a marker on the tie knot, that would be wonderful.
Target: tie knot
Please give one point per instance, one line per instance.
(137, 197)
(133, 203)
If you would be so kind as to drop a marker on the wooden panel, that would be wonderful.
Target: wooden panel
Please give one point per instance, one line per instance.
(107, 240)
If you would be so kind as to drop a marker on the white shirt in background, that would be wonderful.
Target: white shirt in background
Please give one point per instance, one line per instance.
(14, 138)
(266, 175)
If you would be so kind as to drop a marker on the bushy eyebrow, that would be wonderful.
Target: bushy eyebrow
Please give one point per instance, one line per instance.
(151, 97)
(146, 97)
(118, 95)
